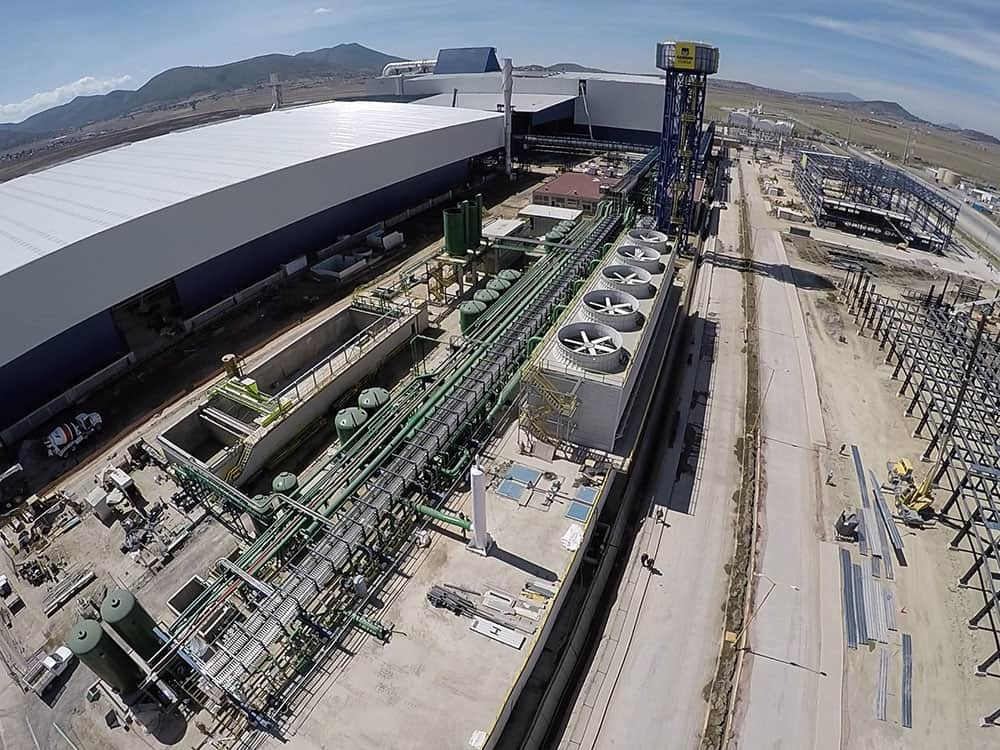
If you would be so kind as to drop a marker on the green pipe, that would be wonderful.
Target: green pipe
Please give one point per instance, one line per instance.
(437, 515)
(505, 396)
(372, 627)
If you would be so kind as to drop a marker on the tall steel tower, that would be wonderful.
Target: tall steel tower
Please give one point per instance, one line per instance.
(688, 66)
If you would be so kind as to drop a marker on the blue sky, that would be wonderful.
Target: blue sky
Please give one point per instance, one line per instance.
(939, 59)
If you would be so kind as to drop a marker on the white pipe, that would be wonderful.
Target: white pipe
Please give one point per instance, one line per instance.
(508, 90)
(480, 541)
(409, 66)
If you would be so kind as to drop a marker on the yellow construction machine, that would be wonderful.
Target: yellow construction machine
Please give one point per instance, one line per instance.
(911, 498)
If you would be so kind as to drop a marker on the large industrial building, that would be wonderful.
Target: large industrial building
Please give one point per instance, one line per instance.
(177, 223)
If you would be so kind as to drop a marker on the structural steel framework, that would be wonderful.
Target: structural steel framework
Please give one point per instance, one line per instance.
(874, 199)
(681, 136)
(949, 364)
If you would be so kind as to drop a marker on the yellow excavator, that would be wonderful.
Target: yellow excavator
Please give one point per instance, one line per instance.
(911, 498)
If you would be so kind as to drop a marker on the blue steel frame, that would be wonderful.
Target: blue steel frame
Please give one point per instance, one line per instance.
(870, 184)
(683, 112)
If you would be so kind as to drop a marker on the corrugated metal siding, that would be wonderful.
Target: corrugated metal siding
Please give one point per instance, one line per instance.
(41, 374)
(220, 277)
(338, 152)
(467, 60)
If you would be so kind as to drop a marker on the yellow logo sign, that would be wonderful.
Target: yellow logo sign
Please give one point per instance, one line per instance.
(684, 55)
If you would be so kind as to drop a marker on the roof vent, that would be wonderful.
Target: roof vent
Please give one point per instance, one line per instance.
(593, 346)
(630, 279)
(611, 307)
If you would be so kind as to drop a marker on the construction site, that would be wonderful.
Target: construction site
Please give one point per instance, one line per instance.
(570, 420)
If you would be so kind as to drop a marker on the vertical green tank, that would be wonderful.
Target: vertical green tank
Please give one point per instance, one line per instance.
(486, 296)
(284, 483)
(454, 232)
(104, 656)
(373, 399)
(468, 312)
(509, 274)
(349, 421)
(123, 613)
(498, 285)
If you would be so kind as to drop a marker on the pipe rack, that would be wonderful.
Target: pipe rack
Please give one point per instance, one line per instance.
(367, 490)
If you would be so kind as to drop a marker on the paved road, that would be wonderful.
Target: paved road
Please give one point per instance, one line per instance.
(785, 700)
(661, 645)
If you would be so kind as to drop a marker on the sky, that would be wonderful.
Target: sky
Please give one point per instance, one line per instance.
(940, 60)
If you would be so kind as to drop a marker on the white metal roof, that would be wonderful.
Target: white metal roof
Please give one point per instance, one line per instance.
(492, 102)
(551, 212)
(47, 210)
(82, 236)
(502, 228)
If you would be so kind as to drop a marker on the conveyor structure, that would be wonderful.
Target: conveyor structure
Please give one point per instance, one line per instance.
(324, 550)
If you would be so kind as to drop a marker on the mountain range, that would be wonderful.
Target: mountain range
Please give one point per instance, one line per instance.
(179, 84)
(832, 96)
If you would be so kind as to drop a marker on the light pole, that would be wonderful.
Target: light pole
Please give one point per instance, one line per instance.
(759, 607)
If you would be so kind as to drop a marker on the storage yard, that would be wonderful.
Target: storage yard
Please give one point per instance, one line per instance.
(572, 419)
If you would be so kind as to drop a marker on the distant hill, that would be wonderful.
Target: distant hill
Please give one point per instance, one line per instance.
(563, 67)
(976, 135)
(178, 84)
(891, 110)
(833, 96)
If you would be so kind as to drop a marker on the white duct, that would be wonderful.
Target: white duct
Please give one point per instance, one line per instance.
(408, 66)
(508, 90)
(481, 540)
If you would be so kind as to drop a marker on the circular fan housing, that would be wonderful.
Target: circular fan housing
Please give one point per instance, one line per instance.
(619, 310)
(650, 238)
(592, 346)
(631, 279)
(640, 256)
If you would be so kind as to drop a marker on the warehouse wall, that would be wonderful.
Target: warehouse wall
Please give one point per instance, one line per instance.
(213, 280)
(110, 266)
(43, 373)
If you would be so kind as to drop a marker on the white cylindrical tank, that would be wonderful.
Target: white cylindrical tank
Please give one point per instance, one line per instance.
(480, 541)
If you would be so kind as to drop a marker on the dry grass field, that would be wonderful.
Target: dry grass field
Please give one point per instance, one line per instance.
(932, 146)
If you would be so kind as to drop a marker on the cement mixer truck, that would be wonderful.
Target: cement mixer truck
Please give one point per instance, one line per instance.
(67, 437)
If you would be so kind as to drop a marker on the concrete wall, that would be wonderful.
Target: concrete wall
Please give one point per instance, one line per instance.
(272, 439)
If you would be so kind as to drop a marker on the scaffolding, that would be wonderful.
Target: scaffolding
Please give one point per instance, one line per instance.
(874, 200)
(948, 361)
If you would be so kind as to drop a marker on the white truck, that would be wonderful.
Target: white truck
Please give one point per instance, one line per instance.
(67, 437)
(47, 669)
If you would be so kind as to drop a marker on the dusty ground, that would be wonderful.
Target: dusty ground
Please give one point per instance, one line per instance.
(932, 145)
(860, 406)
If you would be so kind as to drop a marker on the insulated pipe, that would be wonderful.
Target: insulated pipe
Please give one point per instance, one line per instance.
(508, 90)
(409, 66)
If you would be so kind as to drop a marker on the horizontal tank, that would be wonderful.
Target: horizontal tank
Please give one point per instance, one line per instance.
(498, 285)
(284, 483)
(348, 422)
(509, 274)
(469, 312)
(104, 657)
(373, 399)
(486, 296)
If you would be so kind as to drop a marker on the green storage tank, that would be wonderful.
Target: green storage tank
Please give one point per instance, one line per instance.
(104, 656)
(498, 285)
(349, 421)
(123, 614)
(468, 312)
(284, 483)
(486, 296)
(373, 399)
(509, 274)
(454, 232)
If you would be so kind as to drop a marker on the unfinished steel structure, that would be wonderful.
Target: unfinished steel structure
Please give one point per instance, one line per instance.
(874, 200)
(947, 357)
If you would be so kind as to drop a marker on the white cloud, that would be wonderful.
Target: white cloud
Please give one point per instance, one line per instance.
(321, 11)
(17, 111)
(961, 47)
